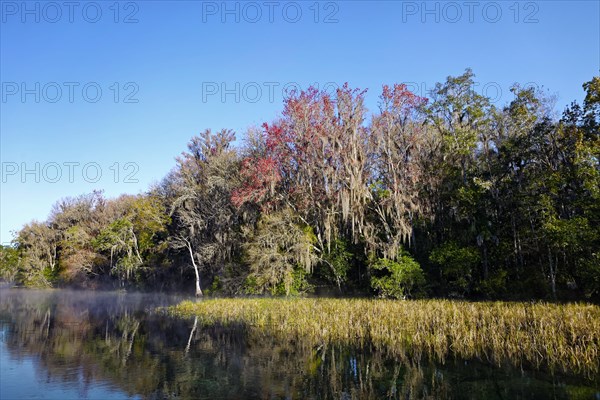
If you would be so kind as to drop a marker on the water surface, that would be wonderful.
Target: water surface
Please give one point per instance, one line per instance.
(107, 345)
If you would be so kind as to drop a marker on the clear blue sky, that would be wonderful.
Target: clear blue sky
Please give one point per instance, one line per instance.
(178, 55)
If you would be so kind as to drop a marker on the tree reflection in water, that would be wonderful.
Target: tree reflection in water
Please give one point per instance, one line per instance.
(118, 340)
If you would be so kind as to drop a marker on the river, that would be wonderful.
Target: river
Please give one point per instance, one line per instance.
(61, 344)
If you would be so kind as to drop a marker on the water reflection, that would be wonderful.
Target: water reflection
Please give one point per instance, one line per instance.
(61, 344)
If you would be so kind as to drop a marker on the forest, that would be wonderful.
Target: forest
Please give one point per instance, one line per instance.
(447, 196)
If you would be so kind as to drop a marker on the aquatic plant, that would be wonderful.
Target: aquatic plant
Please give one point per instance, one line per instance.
(558, 337)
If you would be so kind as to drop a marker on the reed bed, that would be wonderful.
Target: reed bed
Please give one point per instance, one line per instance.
(563, 337)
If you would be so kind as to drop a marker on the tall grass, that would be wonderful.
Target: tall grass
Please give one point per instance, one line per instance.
(534, 335)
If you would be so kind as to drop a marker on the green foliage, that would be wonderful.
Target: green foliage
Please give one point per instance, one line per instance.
(149, 221)
(297, 286)
(459, 112)
(495, 286)
(573, 234)
(495, 202)
(130, 240)
(114, 236)
(120, 242)
(251, 286)
(9, 263)
(278, 249)
(215, 287)
(588, 272)
(401, 278)
(456, 265)
(378, 190)
(50, 277)
(37, 244)
(337, 262)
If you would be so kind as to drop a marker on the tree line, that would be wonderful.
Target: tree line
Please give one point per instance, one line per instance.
(446, 196)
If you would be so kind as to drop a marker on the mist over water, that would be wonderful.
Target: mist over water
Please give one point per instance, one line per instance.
(64, 344)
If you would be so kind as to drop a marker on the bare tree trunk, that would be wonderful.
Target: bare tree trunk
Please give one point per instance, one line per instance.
(52, 257)
(46, 322)
(130, 347)
(136, 247)
(198, 289)
(112, 250)
(189, 343)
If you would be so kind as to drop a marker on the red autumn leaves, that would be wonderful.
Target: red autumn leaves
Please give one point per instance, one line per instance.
(315, 136)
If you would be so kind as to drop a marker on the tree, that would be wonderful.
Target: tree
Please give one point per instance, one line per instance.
(397, 135)
(9, 263)
(492, 202)
(314, 160)
(400, 277)
(133, 230)
(38, 244)
(337, 262)
(120, 240)
(77, 221)
(461, 116)
(78, 257)
(456, 265)
(202, 212)
(278, 252)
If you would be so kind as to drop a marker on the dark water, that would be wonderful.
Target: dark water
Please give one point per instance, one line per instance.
(78, 345)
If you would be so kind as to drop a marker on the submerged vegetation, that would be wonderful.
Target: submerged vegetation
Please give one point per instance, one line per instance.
(559, 338)
(447, 196)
